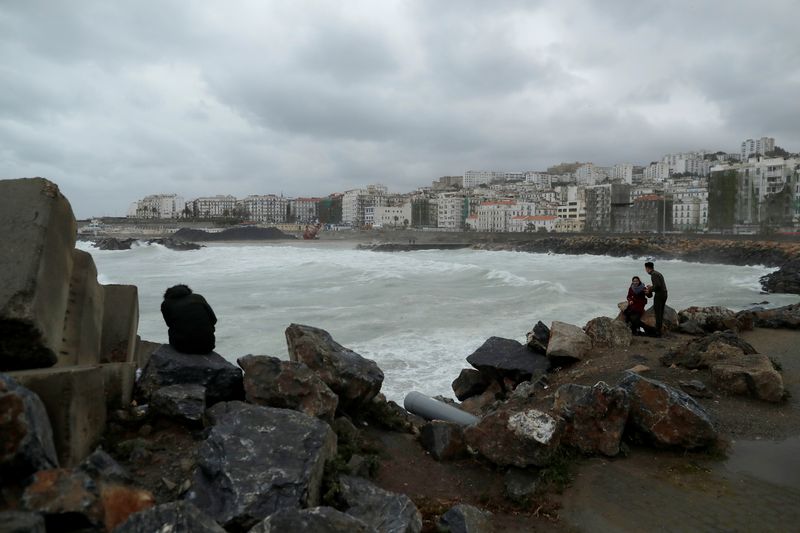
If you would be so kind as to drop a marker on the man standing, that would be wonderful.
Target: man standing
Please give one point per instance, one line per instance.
(658, 289)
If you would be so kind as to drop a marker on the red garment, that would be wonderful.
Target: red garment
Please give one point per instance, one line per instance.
(636, 302)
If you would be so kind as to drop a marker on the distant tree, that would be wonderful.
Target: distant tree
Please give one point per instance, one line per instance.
(777, 152)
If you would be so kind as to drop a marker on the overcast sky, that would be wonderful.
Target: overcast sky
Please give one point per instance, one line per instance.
(117, 100)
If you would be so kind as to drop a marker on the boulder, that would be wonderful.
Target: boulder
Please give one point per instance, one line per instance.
(670, 321)
(67, 495)
(699, 353)
(608, 333)
(690, 327)
(786, 317)
(167, 366)
(355, 379)
(185, 402)
(711, 319)
(37, 239)
(378, 508)
(257, 460)
(695, 388)
(785, 279)
(316, 520)
(389, 415)
(173, 517)
(594, 417)
(463, 518)
(538, 338)
(102, 467)
(568, 343)
(26, 432)
(513, 436)
(498, 359)
(443, 440)
(666, 416)
(21, 522)
(520, 485)
(479, 405)
(288, 385)
(751, 374)
(469, 383)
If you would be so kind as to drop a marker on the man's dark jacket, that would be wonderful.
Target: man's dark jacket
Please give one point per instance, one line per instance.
(190, 320)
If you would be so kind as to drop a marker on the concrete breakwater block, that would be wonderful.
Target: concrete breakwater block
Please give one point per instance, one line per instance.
(120, 323)
(83, 322)
(37, 239)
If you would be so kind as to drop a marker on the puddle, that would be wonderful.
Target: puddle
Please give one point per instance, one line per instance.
(775, 462)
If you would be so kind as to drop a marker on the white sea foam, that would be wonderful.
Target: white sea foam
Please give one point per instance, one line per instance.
(418, 314)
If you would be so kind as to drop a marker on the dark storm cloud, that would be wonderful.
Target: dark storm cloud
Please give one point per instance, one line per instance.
(118, 100)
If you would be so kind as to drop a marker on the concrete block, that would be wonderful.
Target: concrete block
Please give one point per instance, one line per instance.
(120, 323)
(83, 322)
(37, 236)
(70, 396)
(144, 349)
(119, 379)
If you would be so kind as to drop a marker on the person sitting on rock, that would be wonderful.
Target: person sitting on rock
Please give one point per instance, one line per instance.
(637, 300)
(190, 320)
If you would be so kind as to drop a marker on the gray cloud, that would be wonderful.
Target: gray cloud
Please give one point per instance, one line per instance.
(115, 101)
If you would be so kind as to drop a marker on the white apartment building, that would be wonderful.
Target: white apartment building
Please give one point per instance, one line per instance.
(542, 180)
(690, 214)
(658, 171)
(495, 216)
(159, 206)
(304, 210)
(451, 211)
(265, 207)
(392, 216)
(756, 147)
(622, 172)
(588, 174)
(221, 205)
(473, 178)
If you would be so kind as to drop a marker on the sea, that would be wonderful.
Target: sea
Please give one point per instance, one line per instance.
(417, 314)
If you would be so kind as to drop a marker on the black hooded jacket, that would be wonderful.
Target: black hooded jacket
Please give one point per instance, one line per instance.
(190, 320)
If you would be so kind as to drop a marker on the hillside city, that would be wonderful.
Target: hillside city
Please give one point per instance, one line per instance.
(756, 190)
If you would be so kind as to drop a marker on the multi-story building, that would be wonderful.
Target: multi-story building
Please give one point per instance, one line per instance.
(159, 206)
(495, 216)
(650, 213)
(658, 171)
(473, 178)
(601, 203)
(304, 210)
(589, 174)
(219, 206)
(330, 209)
(532, 223)
(622, 172)
(452, 211)
(265, 208)
(392, 216)
(760, 146)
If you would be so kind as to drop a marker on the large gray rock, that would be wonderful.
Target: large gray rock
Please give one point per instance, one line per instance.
(568, 343)
(700, 353)
(749, 374)
(608, 333)
(21, 522)
(316, 520)
(499, 359)
(669, 322)
(711, 319)
(101, 466)
(173, 517)
(463, 518)
(167, 366)
(65, 494)
(538, 338)
(184, 403)
(516, 436)
(521, 485)
(27, 436)
(594, 417)
(386, 511)
(355, 379)
(469, 383)
(786, 317)
(443, 440)
(288, 385)
(257, 460)
(37, 239)
(666, 416)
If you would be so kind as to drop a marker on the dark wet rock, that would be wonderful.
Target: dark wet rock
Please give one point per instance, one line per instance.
(608, 333)
(316, 520)
(666, 416)
(443, 440)
(670, 321)
(389, 415)
(463, 518)
(520, 485)
(381, 509)
(786, 279)
(699, 353)
(469, 383)
(102, 467)
(695, 388)
(568, 343)
(711, 319)
(358, 465)
(538, 338)
(288, 385)
(167, 366)
(484, 402)
(185, 403)
(516, 436)
(355, 379)
(594, 417)
(257, 460)
(27, 437)
(112, 243)
(498, 359)
(690, 327)
(177, 245)
(173, 517)
(786, 317)
(21, 522)
(750, 375)
(239, 233)
(65, 494)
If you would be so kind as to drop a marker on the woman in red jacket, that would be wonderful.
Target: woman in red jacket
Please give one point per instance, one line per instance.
(637, 299)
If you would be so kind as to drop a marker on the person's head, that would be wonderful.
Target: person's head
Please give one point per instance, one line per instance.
(635, 281)
(649, 267)
(177, 291)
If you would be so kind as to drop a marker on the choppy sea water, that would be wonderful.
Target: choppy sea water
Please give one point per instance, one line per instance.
(418, 314)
